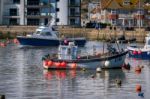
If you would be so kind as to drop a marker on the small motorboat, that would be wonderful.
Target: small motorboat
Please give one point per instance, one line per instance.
(68, 57)
(140, 52)
(47, 36)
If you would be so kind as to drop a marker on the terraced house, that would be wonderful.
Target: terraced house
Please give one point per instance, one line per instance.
(128, 13)
(40, 12)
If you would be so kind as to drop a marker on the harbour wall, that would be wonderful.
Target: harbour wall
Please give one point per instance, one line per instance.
(91, 34)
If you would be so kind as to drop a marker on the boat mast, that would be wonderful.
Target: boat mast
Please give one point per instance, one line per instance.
(139, 16)
(100, 22)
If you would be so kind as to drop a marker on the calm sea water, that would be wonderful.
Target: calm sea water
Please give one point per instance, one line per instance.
(22, 77)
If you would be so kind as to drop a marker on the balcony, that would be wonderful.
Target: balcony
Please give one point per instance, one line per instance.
(37, 4)
(11, 15)
(38, 15)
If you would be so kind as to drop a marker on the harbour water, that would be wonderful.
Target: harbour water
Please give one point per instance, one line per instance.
(22, 77)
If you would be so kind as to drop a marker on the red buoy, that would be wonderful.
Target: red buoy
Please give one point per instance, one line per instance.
(49, 63)
(57, 64)
(63, 64)
(135, 52)
(138, 88)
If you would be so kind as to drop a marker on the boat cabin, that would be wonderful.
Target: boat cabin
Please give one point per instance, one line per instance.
(46, 32)
(67, 52)
(147, 41)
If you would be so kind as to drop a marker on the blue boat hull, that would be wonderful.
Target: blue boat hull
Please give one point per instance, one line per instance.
(143, 55)
(46, 42)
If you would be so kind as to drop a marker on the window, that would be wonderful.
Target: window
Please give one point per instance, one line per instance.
(33, 2)
(32, 21)
(57, 9)
(57, 20)
(16, 1)
(13, 21)
(72, 2)
(126, 2)
(72, 11)
(113, 22)
(13, 12)
(72, 21)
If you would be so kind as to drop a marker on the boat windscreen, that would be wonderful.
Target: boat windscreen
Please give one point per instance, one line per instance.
(38, 32)
(46, 34)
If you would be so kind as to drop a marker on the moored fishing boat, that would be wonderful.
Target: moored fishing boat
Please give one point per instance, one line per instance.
(69, 58)
(140, 52)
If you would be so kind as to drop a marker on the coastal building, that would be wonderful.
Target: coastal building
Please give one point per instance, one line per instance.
(40, 12)
(93, 12)
(126, 13)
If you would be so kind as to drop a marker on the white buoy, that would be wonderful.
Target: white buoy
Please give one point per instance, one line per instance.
(98, 70)
(107, 63)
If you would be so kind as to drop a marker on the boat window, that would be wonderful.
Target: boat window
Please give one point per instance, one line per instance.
(38, 32)
(46, 34)
(69, 51)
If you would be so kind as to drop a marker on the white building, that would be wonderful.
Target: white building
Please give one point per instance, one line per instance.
(40, 12)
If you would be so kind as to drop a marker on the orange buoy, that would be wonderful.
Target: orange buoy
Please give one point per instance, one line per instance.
(58, 64)
(49, 63)
(138, 69)
(73, 65)
(63, 64)
(138, 88)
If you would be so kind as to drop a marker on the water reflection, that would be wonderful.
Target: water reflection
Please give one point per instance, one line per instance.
(83, 83)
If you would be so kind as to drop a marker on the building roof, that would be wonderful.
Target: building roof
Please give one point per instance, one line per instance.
(120, 4)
